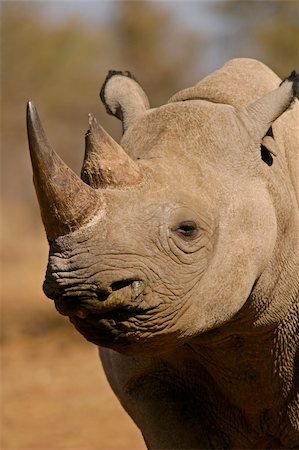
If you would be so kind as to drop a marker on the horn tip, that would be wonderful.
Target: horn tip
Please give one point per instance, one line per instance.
(30, 106)
(94, 126)
(32, 114)
(91, 119)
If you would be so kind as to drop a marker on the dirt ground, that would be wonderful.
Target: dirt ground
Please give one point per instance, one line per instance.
(54, 395)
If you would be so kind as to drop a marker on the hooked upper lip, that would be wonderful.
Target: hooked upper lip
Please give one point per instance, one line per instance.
(122, 295)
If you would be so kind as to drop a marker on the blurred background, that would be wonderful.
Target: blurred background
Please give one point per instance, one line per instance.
(57, 54)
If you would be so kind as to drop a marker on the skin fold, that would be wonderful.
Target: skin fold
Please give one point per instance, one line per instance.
(178, 255)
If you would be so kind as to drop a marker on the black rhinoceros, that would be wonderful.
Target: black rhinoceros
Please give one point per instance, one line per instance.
(177, 253)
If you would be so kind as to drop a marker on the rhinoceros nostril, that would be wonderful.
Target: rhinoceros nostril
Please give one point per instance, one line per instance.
(103, 294)
(121, 284)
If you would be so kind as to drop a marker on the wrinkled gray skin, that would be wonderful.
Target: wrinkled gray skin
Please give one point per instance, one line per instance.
(186, 273)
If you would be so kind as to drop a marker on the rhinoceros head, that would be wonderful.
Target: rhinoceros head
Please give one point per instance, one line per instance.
(164, 237)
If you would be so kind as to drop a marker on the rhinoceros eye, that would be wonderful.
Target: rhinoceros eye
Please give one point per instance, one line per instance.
(187, 229)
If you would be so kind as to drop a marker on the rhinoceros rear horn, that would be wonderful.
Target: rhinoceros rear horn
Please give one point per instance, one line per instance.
(65, 201)
(123, 97)
(260, 114)
(106, 164)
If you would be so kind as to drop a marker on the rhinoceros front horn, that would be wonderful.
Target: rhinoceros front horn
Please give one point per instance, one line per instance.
(65, 201)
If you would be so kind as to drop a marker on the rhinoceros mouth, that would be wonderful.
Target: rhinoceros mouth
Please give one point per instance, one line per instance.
(104, 327)
(104, 322)
(123, 297)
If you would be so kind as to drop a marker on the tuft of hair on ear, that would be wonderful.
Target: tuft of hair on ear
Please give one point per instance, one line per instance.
(294, 79)
(112, 73)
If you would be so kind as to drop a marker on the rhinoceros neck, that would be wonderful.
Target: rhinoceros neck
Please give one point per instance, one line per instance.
(252, 359)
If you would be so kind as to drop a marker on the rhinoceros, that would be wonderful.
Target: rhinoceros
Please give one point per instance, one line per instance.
(176, 253)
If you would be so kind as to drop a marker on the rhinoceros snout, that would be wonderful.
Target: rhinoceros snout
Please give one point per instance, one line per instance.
(122, 293)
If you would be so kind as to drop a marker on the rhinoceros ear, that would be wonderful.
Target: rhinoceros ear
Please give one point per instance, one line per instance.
(123, 97)
(259, 115)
